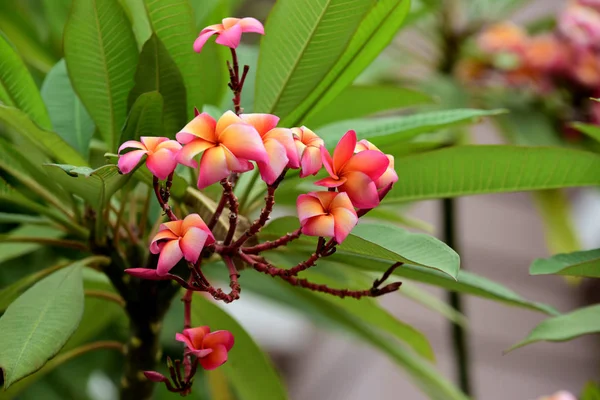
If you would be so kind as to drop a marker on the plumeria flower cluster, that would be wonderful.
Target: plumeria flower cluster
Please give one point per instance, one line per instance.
(566, 60)
(358, 176)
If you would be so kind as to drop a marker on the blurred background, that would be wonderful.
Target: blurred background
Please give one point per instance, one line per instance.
(456, 53)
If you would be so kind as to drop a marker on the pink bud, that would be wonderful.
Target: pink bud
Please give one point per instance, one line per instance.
(155, 376)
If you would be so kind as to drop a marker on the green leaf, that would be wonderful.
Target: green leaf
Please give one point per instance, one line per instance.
(17, 88)
(12, 218)
(580, 263)
(304, 40)
(37, 324)
(69, 117)
(564, 327)
(9, 251)
(555, 210)
(101, 55)
(248, 368)
(136, 12)
(469, 170)
(173, 22)
(375, 32)
(48, 142)
(432, 303)
(591, 391)
(157, 72)
(593, 131)
(145, 117)
(359, 101)
(391, 130)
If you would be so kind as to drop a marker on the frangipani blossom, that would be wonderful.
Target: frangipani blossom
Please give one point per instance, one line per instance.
(389, 176)
(581, 25)
(227, 145)
(352, 173)
(210, 347)
(502, 37)
(161, 154)
(279, 144)
(180, 239)
(229, 32)
(308, 145)
(327, 214)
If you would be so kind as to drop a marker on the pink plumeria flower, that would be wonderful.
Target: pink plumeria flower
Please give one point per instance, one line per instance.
(228, 145)
(210, 348)
(308, 145)
(562, 395)
(229, 32)
(585, 68)
(352, 173)
(180, 239)
(161, 154)
(327, 214)
(581, 25)
(279, 144)
(502, 37)
(389, 176)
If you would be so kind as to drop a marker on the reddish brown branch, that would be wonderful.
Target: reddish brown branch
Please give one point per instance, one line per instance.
(323, 250)
(162, 195)
(218, 211)
(260, 222)
(273, 244)
(233, 210)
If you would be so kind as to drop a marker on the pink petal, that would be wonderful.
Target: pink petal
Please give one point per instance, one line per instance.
(252, 25)
(173, 226)
(227, 119)
(185, 340)
(215, 359)
(311, 162)
(196, 221)
(345, 220)
(322, 225)
(328, 162)
(361, 190)
(162, 235)
(341, 200)
(127, 162)
(186, 155)
(197, 335)
(244, 142)
(170, 255)
(263, 123)
(230, 37)
(192, 244)
(201, 353)
(344, 150)
(144, 273)
(213, 167)
(370, 162)
(223, 338)
(152, 142)
(132, 144)
(201, 40)
(270, 171)
(326, 198)
(161, 163)
(308, 206)
(331, 182)
(202, 126)
(389, 177)
(284, 136)
(155, 376)
(171, 145)
(229, 22)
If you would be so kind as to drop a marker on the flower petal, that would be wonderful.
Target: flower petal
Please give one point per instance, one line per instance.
(196, 335)
(244, 142)
(196, 221)
(173, 226)
(344, 150)
(202, 126)
(229, 22)
(201, 40)
(172, 145)
(230, 37)
(213, 167)
(308, 206)
(162, 235)
(322, 225)
(326, 198)
(161, 163)
(186, 155)
(331, 182)
(192, 244)
(270, 171)
(228, 118)
(327, 162)
(263, 123)
(310, 162)
(345, 220)
(170, 255)
(132, 144)
(215, 359)
(223, 338)
(201, 353)
(284, 136)
(185, 340)
(370, 162)
(341, 200)
(252, 25)
(127, 162)
(361, 189)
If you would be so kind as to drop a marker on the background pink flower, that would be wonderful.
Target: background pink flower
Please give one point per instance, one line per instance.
(229, 33)
(161, 154)
(210, 348)
(327, 214)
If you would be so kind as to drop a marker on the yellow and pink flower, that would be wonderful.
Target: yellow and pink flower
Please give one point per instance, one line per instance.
(180, 239)
(327, 214)
(353, 173)
(210, 348)
(228, 146)
(308, 146)
(229, 33)
(390, 176)
(160, 151)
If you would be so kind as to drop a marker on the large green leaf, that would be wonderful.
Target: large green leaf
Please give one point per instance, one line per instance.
(304, 39)
(145, 117)
(173, 21)
(383, 242)
(590, 130)
(136, 12)
(48, 142)
(375, 32)
(248, 368)
(69, 117)
(469, 170)
(101, 55)
(156, 72)
(580, 263)
(555, 210)
(37, 324)
(17, 88)
(391, 130)
(358, 101)
(565, 327)
(13, 250)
